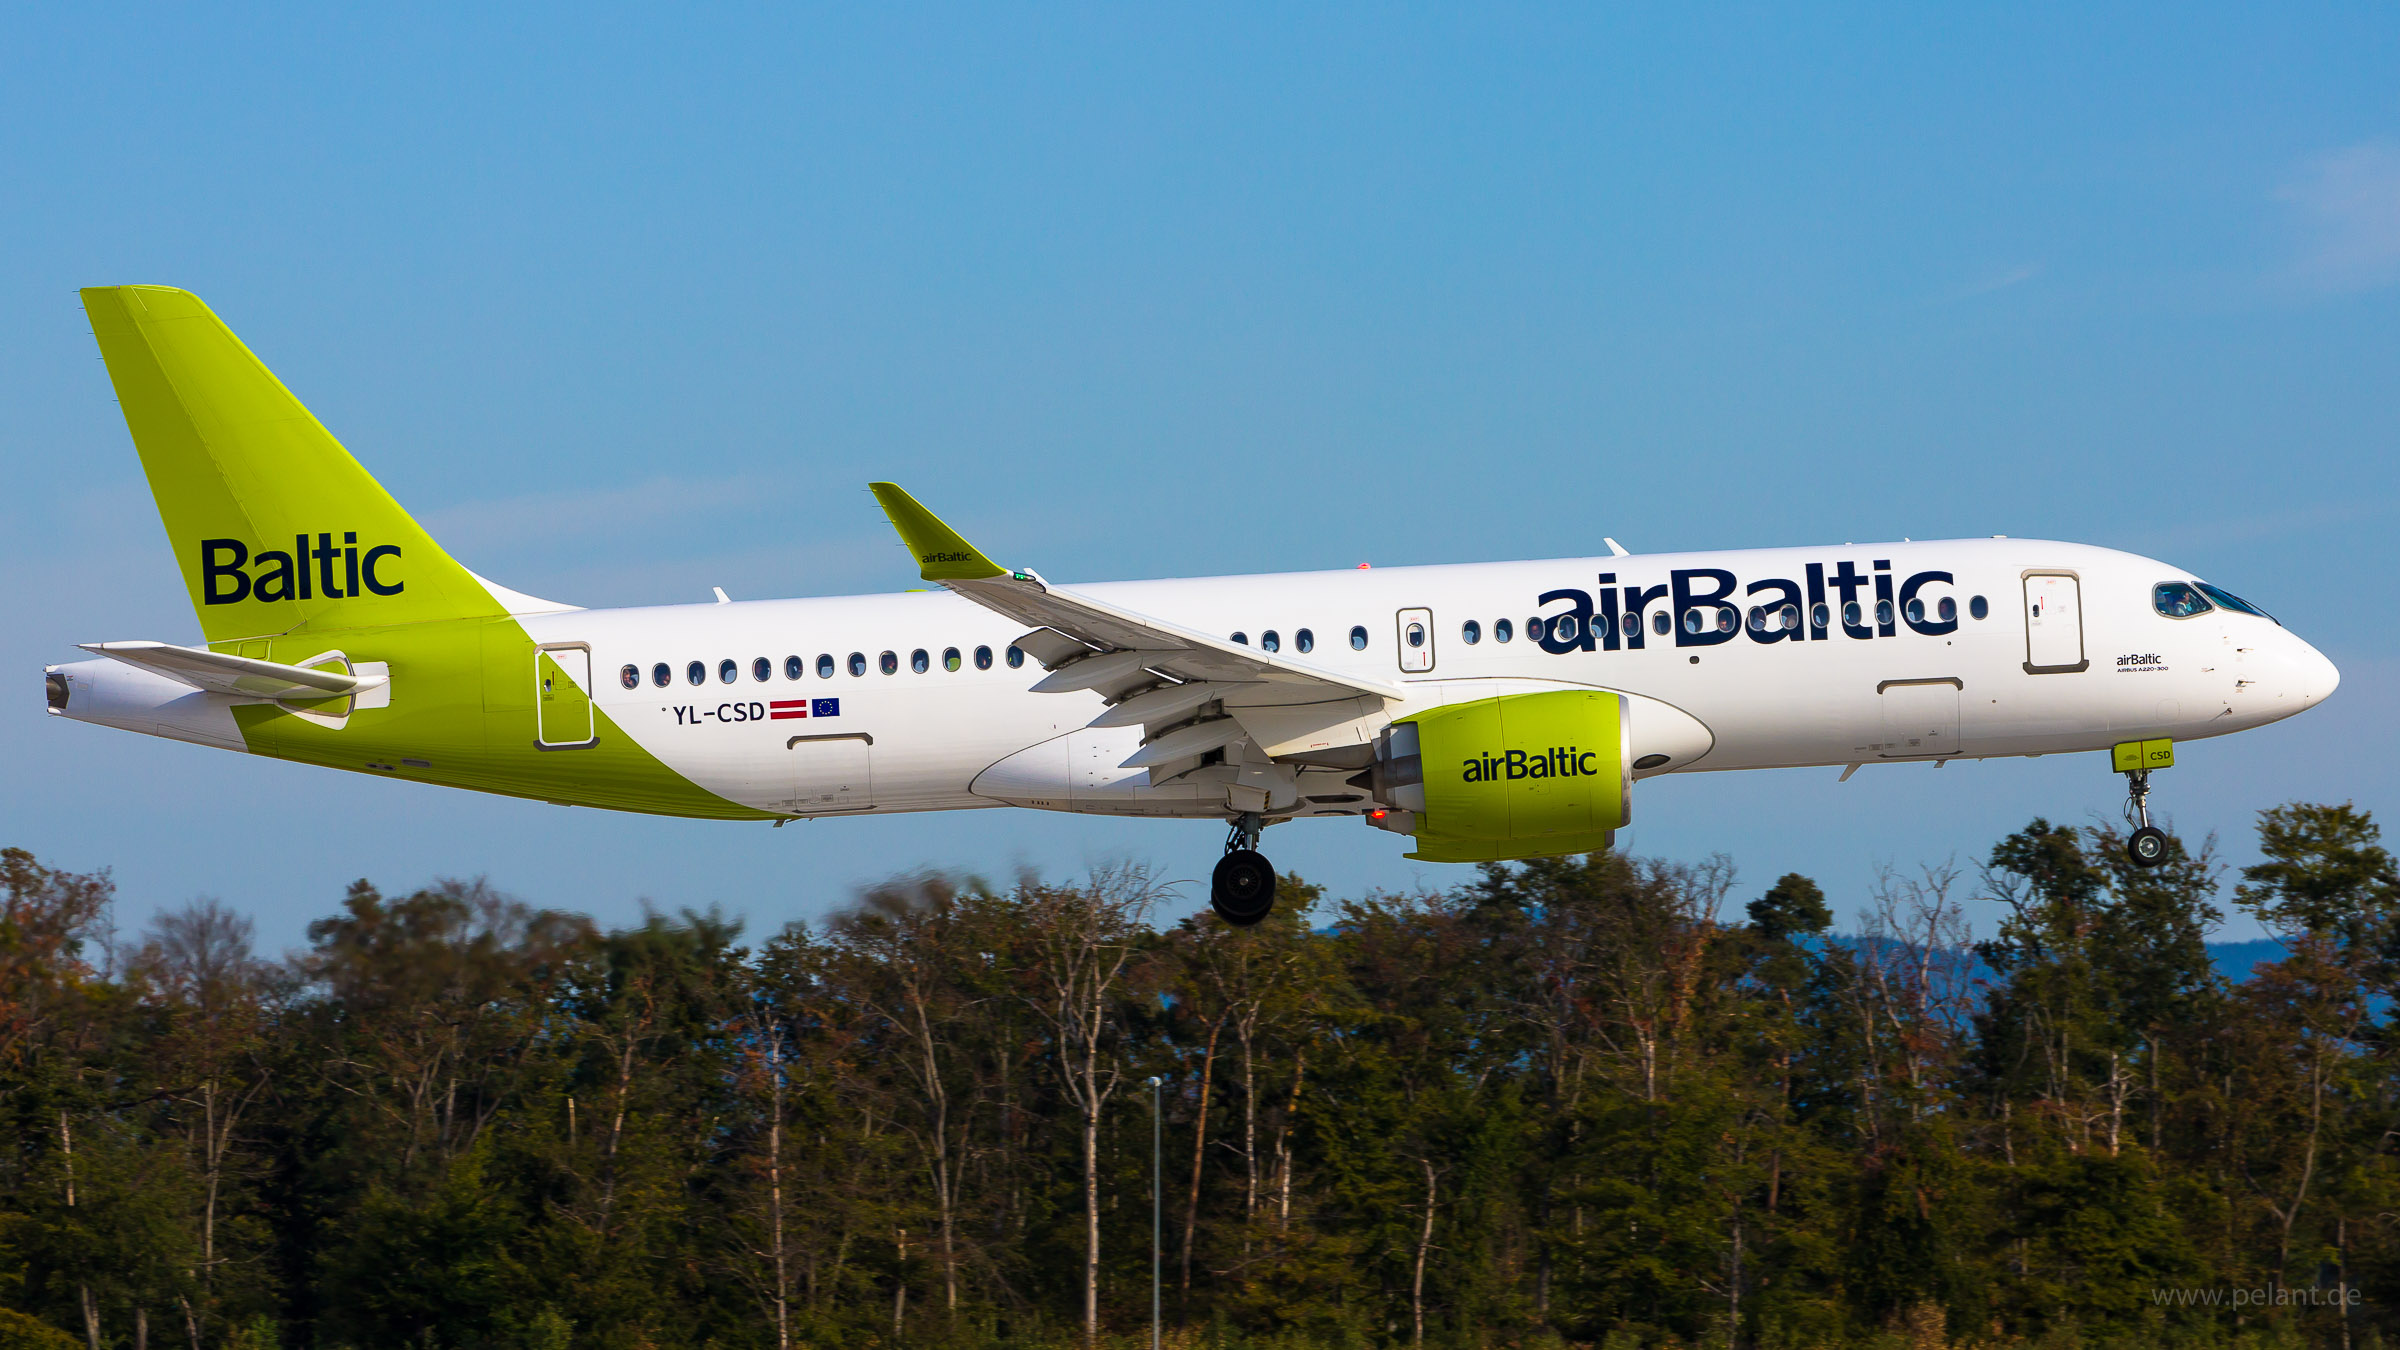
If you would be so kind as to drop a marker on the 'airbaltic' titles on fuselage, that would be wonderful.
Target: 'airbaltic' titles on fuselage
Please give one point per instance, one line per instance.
(1705, 606)
(338, 571)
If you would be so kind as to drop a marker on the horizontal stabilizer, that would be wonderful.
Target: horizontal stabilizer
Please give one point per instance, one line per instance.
(239, 676)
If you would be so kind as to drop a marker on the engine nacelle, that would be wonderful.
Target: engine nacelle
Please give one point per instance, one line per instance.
(1518, 776)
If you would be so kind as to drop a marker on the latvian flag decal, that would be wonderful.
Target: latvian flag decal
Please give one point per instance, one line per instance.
(805, 707)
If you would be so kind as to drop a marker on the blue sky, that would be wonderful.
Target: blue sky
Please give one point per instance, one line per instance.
(627, 304)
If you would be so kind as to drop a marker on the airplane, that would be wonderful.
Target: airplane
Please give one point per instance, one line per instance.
(1491, 711)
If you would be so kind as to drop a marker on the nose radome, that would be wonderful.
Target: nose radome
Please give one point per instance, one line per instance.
(2319, 677)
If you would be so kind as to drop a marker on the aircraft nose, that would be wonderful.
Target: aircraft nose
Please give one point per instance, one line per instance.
(2318, 676)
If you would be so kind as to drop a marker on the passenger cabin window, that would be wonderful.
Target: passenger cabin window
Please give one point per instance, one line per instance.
(1270, 641)
(1948, 610)
(2233, 602)
(630, 677)
(1915, 611)
(1503, 630)
(696, 672)
(1242, 638)
(824, 665)
(1791, 617)
(858, 664)
(794, 667)
(1533, 629)
(1979, 608)
(761, 669)
(1016, 657)
(950, 659)
(729, 670)
(983, 658)
(1470, 632)
(1853, 616)
(1601, 627)
(1415, 634)
(1305, 640)
(1358, 638)
(1821, 615)
(1883, 612)
(660, 674)
(919, 662)
(1564, 628)
(888, 663)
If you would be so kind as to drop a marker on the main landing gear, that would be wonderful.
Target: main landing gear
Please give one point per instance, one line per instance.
(2147, 844)
(1242, 890)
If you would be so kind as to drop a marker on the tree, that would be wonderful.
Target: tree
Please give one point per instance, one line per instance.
(1082, 938)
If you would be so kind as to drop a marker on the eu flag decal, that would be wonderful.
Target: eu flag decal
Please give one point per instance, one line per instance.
(825, 707)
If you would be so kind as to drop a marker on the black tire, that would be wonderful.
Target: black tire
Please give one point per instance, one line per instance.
(2147, 846)
(1243, 889)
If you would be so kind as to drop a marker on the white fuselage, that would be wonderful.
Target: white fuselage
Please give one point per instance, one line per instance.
(2069, 655)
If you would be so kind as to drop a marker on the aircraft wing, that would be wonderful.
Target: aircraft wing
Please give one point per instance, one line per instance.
(239, 676)
(1191, 691)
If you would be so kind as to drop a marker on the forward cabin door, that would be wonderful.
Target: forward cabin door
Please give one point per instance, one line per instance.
(2053, 623)
(562, 697)
(1416, 640)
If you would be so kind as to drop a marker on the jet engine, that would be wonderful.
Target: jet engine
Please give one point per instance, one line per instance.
(1518, 776)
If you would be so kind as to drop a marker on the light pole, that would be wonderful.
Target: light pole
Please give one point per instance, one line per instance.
(1155, 1128)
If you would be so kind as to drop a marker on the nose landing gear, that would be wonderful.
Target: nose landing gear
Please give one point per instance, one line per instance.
(2147, 845)
(1242, 890)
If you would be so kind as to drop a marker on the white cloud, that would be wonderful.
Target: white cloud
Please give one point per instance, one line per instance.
(510, 524)
(2348, 202)
(1998, 281)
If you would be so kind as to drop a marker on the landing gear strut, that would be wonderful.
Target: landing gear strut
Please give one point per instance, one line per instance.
(1242, 891)
(2147, 845)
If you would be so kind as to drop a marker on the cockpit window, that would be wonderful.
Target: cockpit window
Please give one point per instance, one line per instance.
(2177, 600)
(2234, 602)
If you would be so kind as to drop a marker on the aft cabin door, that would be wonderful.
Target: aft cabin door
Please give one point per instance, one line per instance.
(562, 699)
(2053, 623)
(1416, 640)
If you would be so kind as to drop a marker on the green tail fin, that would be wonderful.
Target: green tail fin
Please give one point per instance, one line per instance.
(274, 525)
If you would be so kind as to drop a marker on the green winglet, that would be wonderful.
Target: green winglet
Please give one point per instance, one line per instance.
(941, 555)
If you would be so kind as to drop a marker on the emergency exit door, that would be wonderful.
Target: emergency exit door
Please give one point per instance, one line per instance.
(1416, 640)
(2053, 623)
(562, 699)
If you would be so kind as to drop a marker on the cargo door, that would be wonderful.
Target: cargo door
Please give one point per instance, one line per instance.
(2053, 623)
(831, 772)
(1416, 640)
(562, 698)
(1920, 717)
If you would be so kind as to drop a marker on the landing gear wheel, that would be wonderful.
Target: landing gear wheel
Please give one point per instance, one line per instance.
(2147, 845)
(1243, 889)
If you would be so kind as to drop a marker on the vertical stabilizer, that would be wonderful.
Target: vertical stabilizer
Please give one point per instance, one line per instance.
(274, 525)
